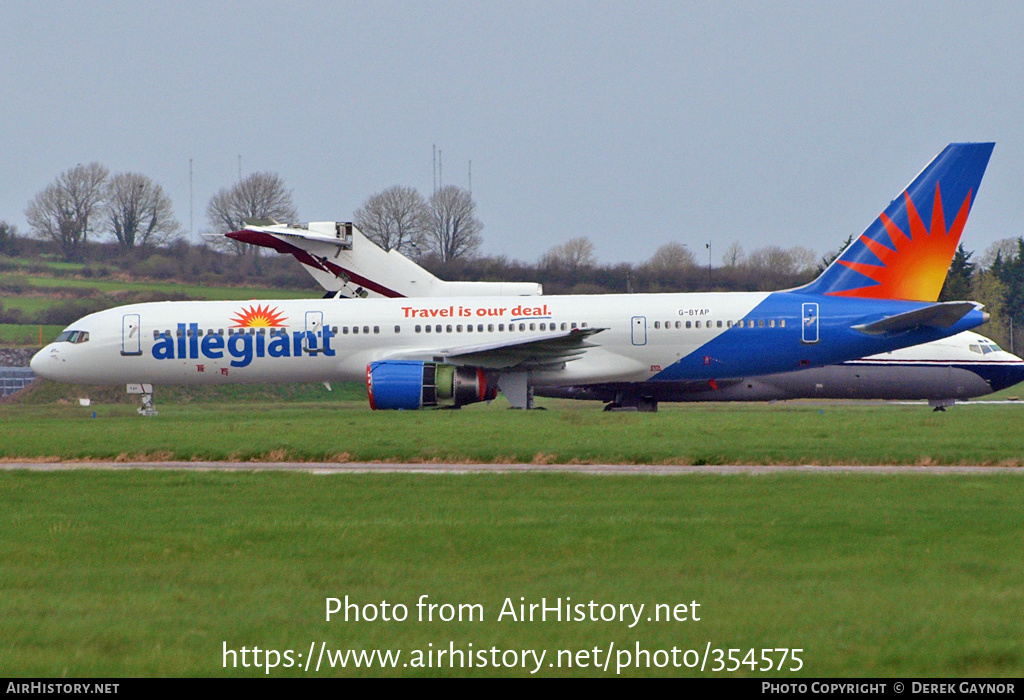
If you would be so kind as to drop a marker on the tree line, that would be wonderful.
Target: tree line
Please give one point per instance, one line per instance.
(997, 281)
(86, 200)
(86, 205)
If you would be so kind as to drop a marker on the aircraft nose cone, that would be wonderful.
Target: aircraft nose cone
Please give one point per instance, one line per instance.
(35, 363)
(44, 362)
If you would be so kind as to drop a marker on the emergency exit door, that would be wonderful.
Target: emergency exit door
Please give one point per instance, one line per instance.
(131, 335)
(314, 332)
(809, 331)
(639, 330)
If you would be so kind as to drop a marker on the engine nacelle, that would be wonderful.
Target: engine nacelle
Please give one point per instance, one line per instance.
(410, 385)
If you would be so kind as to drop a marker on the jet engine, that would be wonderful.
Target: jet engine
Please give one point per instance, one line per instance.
(411, 385)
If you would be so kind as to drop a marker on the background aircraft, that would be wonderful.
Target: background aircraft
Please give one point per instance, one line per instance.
(349, 265)
(877, 297)
(963, 366)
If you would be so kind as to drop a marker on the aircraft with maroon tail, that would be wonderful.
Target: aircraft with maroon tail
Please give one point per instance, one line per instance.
(879, 295)
(350, 266)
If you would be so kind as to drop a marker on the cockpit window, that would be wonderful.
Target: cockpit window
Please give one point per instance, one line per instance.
(73, 337)
(984, 348)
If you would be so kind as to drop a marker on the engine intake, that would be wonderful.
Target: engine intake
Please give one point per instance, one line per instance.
(410, 385)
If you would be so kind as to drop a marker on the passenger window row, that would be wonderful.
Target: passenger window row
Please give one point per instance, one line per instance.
(750, 323)
(479, 328)
(366, 330)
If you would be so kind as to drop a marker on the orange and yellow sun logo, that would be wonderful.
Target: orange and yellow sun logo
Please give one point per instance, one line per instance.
(916, 269)
(259, 317)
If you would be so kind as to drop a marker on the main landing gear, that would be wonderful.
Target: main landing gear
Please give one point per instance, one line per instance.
(517, 389)
(633, 402)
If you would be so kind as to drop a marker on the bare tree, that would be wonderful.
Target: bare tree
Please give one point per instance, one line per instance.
(395, 219)
(63, 211)
(670, 259)
(804, 259)
(138, 212)
(773, 259)
(1005, 249)
(570, 256)
(259, 196)
(454, 231)
(733, 256)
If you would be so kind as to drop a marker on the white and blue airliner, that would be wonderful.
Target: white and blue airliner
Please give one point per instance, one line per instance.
(878, 296)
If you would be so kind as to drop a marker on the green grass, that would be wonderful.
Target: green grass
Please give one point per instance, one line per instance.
(34, 294)
(26, 333)
(193, 291)
(140, 573)
(310, 424)
(29, 304)
(44, 262)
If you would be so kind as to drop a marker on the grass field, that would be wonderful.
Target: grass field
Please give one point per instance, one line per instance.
(33, 294)
(152, 573)
(193, 291)
(313, 425)
(44, 262)
(27, 334)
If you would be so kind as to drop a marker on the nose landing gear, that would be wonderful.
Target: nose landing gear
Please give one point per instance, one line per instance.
(147, 409)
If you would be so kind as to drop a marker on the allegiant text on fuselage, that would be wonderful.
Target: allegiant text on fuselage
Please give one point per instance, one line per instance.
(242, 347)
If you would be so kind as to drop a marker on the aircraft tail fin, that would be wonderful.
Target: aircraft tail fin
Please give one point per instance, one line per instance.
(905, 253)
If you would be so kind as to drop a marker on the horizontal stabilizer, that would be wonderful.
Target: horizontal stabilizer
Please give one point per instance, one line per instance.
(942, 315)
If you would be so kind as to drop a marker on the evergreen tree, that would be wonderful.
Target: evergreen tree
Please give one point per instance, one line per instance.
(958, 280)
(1010, 271)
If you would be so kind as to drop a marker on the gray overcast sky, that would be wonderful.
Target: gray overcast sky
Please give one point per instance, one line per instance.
(633, 124)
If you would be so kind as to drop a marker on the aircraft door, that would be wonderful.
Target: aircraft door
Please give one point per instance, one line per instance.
(639, 330)
(131, 335)
(810, 323)
(314, 332)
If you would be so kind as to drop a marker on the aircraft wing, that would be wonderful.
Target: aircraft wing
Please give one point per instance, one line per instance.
(542, 351)
(940, 315)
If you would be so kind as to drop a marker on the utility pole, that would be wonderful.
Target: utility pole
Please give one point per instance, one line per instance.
(190, 232)
(708, 246)
(239, 167)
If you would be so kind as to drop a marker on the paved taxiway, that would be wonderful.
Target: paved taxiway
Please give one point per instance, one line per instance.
(455, 468)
